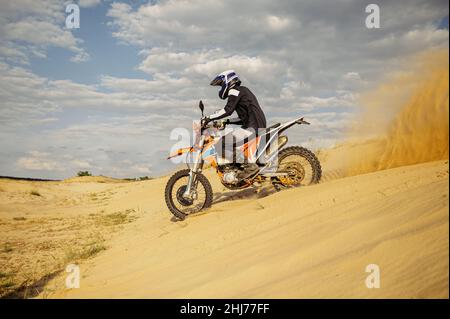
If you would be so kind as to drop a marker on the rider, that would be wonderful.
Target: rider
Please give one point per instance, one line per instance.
(243, 101)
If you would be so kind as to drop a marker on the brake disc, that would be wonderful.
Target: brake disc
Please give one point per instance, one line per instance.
(183, 201)
(296, 173)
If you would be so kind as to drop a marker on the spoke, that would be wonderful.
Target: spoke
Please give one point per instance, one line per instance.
(301, 168)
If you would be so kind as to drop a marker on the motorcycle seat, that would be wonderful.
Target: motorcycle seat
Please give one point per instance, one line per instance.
(261, 132)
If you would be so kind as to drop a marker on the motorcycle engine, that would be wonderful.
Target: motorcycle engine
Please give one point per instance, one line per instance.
(230, 178)
(230, 175)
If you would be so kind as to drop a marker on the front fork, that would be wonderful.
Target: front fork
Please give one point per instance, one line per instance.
(190, 187)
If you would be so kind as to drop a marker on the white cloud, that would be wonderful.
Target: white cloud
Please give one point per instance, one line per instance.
(142, 169)
(81, 56)
(293, 89)
(319, 40)
(39, 161)
(88, 3)
(81, 164)
(161, 84)
(31, 27)
(13, 53)
(352, 76)
(299, 58)
(277, 23)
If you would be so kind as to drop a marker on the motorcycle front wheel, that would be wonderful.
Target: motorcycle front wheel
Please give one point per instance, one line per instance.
(176, 186)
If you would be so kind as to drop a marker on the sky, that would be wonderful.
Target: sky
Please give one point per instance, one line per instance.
(105, 97)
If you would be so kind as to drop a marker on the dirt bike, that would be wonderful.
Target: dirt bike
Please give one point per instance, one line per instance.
(188, 191)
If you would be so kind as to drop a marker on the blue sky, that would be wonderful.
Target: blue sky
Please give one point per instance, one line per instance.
(107, 55)
(105, 97)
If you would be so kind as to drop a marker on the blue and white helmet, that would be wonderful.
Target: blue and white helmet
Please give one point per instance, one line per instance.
(227, 80)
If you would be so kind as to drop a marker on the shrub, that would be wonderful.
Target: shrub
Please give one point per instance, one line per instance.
(83, 173)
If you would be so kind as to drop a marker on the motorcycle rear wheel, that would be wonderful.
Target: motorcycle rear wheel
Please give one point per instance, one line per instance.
(181, 207)
(302, 164)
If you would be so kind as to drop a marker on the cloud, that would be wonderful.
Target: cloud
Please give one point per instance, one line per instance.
(352, 76)
(293, 55)
(277, 23)
(142, 169)
(319, 40)
(119, 116)
(81, 164)
(88, 3)
(26, 96)
(29, 28)
(39, 161)
(308, 58)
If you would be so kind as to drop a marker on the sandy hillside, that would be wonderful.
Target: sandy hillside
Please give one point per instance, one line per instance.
(306, 242)
(45, 225)
(382, 201)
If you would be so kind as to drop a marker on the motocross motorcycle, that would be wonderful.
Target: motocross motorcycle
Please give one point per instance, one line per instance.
(188, 191)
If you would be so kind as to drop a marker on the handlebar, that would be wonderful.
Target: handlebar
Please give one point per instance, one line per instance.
(213, 124)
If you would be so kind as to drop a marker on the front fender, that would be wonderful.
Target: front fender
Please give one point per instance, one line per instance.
(181, 151)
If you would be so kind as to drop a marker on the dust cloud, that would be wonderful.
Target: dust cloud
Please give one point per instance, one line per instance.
(404, 121)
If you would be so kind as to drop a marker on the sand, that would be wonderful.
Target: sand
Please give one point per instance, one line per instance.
(311, 242)
(45, 225)
(382, 202)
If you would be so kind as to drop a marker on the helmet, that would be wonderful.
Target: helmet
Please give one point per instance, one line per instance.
(227, 80)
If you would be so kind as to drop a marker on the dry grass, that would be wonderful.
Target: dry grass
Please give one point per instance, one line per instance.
(7, 284)
(117, 218)
(39, 248)
(45, 226)
(85, 251)
(4, 274)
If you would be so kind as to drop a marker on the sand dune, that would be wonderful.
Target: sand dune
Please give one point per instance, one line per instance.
(306, 242)
(372, 207)
(45, 225)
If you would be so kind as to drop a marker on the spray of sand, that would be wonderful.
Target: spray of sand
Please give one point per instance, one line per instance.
(406, 119)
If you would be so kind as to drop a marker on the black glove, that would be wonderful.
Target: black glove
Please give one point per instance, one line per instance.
(205, 120)
(221, 124)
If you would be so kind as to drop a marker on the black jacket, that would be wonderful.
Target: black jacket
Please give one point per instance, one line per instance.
(244, 102)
